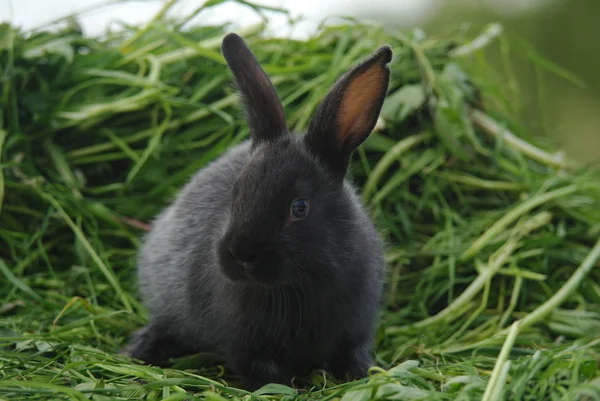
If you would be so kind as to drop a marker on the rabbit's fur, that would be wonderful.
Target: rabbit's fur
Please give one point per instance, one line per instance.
(228, 268)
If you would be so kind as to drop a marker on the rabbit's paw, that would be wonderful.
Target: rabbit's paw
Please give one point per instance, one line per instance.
(153, 345)
(260, 372)
(352, 362)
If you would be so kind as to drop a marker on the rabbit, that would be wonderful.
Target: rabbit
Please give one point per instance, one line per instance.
(267, 256)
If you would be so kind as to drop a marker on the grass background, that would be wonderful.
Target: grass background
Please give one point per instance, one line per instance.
(494, 282)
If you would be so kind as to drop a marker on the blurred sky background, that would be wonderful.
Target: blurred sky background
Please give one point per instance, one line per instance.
(564, 31)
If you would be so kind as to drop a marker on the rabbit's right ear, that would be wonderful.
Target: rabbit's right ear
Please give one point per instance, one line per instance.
(263, 109)
(347, 115)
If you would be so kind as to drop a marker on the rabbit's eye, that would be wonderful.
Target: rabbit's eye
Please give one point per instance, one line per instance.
(299, 209)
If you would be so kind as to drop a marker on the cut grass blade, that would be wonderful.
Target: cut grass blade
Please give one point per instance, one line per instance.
(107, 271)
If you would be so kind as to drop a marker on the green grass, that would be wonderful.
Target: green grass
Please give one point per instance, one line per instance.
(494, 282)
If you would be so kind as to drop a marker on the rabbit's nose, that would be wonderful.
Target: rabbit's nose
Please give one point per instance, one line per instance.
(243, 252)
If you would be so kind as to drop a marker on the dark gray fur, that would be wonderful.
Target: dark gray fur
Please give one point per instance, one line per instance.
(308, 295)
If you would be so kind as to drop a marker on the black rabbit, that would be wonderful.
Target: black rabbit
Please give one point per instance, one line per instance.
(267, 256)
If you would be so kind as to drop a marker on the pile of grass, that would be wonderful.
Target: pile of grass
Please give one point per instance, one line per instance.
(494, 286)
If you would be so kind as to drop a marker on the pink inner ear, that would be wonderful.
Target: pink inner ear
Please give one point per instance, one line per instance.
(355, 116)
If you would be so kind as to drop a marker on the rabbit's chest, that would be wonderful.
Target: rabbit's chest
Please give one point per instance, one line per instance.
(293, 327)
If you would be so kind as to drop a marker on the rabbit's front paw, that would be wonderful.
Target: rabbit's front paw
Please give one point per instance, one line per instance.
(153, 345)
(260, 372)
(352, 363)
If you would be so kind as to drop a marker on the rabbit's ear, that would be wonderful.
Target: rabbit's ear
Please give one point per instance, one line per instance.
(263, 109)
(349, 112)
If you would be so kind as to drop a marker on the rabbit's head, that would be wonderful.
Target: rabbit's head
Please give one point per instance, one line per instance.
(291, 216)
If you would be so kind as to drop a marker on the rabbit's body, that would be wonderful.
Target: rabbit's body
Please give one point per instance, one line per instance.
(303, 324)
(231, 267)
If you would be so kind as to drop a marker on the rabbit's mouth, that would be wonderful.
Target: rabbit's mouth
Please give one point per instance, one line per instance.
(263, 272)
(253, 274)
(266, 274)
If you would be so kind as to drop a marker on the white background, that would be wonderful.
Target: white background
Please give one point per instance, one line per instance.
(34, 13)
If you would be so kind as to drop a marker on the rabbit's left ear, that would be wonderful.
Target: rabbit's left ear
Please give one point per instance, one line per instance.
(263, 109)
(349, 112)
